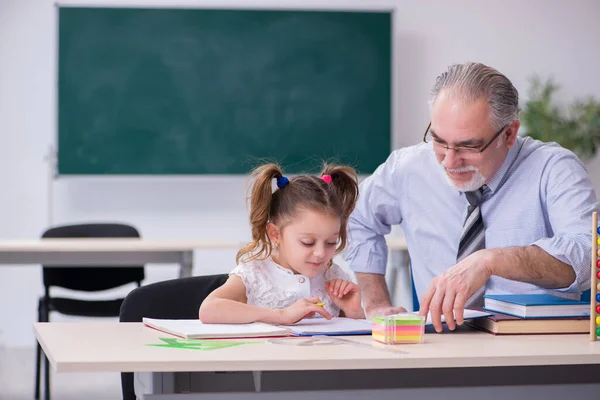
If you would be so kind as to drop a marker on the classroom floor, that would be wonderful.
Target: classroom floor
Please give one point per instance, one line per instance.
(17, 374)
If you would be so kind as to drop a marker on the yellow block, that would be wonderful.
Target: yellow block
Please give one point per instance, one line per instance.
(401, 339)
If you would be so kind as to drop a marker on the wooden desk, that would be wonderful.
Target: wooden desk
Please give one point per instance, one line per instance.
(467, 358)
(121, 251)
(106, 252)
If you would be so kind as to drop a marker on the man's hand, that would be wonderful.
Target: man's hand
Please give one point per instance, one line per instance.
(385, 309)
(448, 293)
(375, 295)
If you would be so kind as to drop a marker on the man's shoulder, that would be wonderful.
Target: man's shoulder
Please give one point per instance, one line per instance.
(547, 161)
(539, 151)
(411, 156)
(407, 163)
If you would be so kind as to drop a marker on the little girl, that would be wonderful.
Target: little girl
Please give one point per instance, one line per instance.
(286, 273)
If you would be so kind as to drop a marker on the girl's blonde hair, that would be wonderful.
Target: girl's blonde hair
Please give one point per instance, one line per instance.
(311, 192)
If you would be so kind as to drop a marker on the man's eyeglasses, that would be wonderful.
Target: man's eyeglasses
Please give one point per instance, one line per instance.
(464, 151)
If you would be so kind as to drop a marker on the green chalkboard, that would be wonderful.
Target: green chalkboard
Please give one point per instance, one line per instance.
(197, 91)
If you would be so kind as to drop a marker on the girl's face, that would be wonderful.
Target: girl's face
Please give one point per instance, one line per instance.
(306, 244)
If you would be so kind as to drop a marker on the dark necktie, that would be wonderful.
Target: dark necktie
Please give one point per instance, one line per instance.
(472, 237)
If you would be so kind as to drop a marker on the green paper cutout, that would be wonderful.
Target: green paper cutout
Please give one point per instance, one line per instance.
(197, 344)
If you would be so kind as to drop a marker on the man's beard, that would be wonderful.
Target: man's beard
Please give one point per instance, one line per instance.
(477, 181)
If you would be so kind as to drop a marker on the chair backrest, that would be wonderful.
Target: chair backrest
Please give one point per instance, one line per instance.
(91, 278)
(172, 299)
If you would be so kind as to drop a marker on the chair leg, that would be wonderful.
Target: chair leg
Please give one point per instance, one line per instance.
(44, 314)
(38, 359)
(47, 383)
(38, 365)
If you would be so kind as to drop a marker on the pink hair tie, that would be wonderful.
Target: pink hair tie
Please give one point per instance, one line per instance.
(326, 179)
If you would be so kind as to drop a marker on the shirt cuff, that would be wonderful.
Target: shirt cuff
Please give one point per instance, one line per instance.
(368, 257)
(572, 253)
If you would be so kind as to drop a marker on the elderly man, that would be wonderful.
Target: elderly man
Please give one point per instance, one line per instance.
(483, 210)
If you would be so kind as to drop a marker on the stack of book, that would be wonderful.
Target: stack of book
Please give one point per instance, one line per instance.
(533, 314)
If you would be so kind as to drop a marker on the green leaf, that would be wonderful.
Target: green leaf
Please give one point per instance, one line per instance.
(198, 344)
(575, 127)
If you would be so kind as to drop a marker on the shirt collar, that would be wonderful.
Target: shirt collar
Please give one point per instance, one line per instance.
(279, 267)
(490, 188)
(511, 156)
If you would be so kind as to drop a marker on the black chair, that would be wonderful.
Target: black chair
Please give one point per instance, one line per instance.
(85, 279)
(173, 299)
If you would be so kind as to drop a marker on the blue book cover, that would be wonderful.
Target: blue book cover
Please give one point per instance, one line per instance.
(534, 299)
(536, 306)
(365, 332)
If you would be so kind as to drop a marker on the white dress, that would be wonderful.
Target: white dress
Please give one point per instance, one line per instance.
(269, 285)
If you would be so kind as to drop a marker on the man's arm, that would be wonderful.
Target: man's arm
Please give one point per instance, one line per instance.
(376, 298)
(376, 211)
(570, 200)
(560, 262)
(534, 266)
(449, 292)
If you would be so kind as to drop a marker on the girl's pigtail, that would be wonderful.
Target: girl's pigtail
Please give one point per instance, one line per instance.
(260, 206)
(344, 181)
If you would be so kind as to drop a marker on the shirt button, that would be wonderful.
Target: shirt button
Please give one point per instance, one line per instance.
(301, 280)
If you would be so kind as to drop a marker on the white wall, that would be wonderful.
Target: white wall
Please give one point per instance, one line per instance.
(520, 38)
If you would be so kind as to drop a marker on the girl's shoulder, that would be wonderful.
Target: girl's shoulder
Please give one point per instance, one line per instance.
(257, 271)
(249, 267)
(259, 278)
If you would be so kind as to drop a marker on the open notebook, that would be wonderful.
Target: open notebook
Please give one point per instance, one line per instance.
(335, 326)
(195, 329)
(348, 326)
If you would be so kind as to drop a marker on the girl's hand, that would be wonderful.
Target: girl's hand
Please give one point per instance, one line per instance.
(301, 309)
(346, 295)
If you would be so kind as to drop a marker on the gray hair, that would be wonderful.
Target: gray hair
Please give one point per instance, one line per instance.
(472, 81)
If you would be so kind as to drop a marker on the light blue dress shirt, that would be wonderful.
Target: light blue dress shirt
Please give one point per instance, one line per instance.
(540, 196)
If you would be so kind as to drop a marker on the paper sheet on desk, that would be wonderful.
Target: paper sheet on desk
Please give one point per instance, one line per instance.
(335, 326)
(348, 326)
(468, 314)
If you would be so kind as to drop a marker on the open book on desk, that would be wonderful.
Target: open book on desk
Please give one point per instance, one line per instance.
(348, 326)
(195, 329)
(339, 326)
